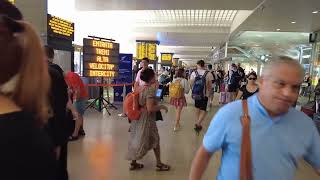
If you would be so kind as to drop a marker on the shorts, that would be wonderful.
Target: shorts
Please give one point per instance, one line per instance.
(232, 88)
(201, 104)
(80, 106)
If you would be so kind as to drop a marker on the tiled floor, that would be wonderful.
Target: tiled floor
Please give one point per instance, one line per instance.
(101, 154)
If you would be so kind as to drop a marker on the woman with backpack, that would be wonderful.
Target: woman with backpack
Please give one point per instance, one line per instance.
(178, 88)
(144, 134)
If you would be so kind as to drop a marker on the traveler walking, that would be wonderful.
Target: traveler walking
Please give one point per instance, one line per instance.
(273, 134)
(201, 83)
(250, 88)
(144, 134)
(178, 88)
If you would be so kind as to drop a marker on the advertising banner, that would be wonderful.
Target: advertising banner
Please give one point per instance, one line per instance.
(124, 76)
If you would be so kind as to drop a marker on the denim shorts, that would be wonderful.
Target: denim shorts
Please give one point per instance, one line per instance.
(80, 106)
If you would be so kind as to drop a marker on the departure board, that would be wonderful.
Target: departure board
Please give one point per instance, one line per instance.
(60, 28)
(12, 1)
(166, 58)
(100, 58)
(147, 49)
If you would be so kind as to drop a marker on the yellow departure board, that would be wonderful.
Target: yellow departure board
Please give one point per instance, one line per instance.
(100, 58)
(147, 49)
(58, 27)
(165, 57)
(12, 1)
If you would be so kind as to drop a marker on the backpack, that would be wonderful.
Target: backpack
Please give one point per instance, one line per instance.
(131, 105)
(176, 90)
(198, 90)
(162, 79)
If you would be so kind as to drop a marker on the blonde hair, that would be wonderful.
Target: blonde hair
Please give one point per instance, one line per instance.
(31, 90)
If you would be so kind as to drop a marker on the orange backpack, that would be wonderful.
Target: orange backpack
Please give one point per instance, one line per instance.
(131, 105)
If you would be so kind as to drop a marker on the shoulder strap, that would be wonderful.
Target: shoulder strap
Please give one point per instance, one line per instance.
(205, 74)
(245, 158)
(197, 74)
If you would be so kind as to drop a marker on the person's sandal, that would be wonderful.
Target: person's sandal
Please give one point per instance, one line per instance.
(136, 166)
(163, 167)
(73, 138)
(198, 129)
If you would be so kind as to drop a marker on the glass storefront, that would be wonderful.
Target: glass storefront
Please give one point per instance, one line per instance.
(316, 65)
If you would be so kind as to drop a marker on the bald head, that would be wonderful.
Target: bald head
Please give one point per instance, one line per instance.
(271, 66)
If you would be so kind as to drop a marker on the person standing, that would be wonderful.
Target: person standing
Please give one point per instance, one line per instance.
(280, 134)
(138, 82)
(201, 83)
(79, 99)
(26, 151)
(57, 126)
(181, 83)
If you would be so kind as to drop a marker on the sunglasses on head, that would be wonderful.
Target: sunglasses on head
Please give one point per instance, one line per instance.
(252, 78)
(12, 25)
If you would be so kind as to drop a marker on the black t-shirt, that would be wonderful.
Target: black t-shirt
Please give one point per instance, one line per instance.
(25, 150)
(246, 94)
(57, 127)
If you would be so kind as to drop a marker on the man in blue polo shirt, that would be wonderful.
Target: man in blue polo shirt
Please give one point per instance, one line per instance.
(280, 135)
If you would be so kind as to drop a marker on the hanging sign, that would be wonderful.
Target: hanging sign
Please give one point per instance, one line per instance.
(147, 49)
(166, 58)
(60, 28)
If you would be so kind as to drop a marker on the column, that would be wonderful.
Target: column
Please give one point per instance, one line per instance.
(35, 11)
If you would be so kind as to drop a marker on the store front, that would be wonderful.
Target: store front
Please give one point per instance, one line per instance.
(316, 64)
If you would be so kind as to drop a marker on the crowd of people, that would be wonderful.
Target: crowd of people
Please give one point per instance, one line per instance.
(42, 107)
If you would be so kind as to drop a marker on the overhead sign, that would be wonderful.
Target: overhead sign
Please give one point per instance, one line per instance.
(166, 58)
(175, 61)
(60, 28)
(12, 1)
(100, 58)
(147, 49)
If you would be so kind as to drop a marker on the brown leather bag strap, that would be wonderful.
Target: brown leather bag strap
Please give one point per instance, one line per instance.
(245, 159)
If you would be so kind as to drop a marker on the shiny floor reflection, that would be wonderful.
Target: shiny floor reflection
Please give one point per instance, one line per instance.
(101, 154)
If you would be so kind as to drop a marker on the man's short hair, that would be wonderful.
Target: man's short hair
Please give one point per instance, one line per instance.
(209, 66)
(146, 59)
(49, 52)
(200, 63)
(269, 65)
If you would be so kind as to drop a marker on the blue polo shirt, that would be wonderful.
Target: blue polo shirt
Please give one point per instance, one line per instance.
(277, 143)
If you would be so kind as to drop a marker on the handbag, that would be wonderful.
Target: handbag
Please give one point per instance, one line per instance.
(245, 156)
(159, 116)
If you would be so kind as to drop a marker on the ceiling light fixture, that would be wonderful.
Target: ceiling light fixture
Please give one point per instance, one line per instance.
(293, 22)
(278, 29)
(315, 12)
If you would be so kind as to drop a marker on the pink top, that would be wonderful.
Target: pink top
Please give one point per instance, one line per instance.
(138, 80)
